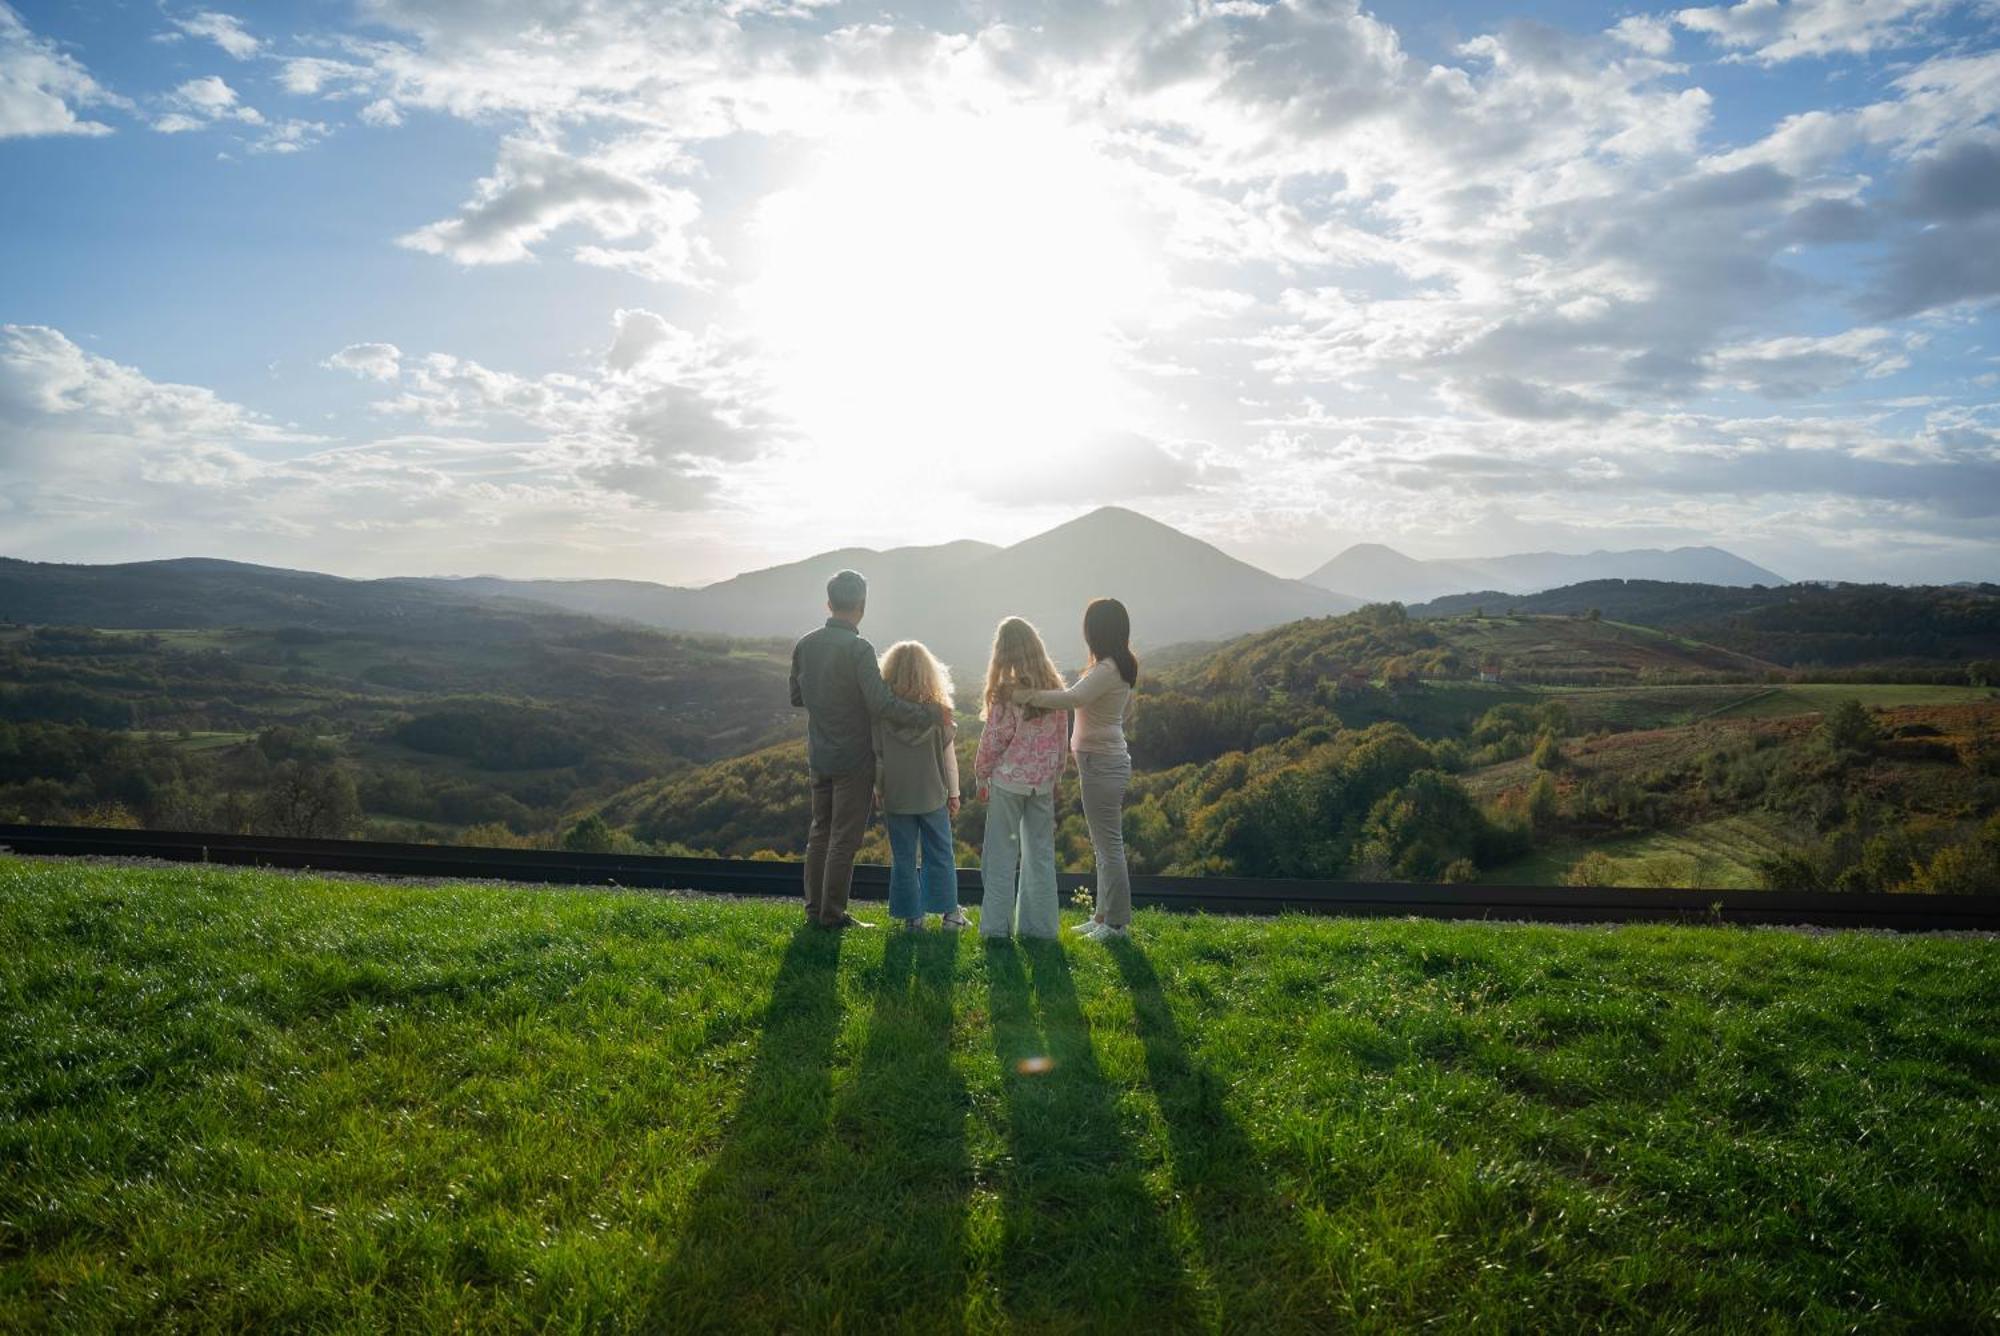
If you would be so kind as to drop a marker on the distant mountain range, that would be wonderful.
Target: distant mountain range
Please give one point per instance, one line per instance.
(950, 596)
(1381, 574)
(1808, 624)
(1178, 588)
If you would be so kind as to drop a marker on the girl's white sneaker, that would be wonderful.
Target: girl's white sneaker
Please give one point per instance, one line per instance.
(1088, 926)
(954, 921)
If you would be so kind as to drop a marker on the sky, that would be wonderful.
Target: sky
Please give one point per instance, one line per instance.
(671, 291)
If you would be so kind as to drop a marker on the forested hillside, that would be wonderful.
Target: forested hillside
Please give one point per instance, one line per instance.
(426, 725)
(1374, 744)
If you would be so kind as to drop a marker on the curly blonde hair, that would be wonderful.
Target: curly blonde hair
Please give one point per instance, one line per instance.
(915, 674)
(1019, 660)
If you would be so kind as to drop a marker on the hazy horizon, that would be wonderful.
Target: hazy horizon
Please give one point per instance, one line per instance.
(853, 547)
(567, 290)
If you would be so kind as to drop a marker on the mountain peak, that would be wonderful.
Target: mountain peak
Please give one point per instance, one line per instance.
(1110, 517)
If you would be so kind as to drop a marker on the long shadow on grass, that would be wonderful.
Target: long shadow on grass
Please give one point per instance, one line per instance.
(898, 1169)
(1084, 1243)
(1258, 1273)
(822, 1210)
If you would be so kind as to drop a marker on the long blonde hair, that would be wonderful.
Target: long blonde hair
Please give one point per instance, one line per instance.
(915, 674)
(1019, 660)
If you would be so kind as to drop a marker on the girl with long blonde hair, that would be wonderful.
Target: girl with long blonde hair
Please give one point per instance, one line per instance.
(916, 777)
(1019, 761)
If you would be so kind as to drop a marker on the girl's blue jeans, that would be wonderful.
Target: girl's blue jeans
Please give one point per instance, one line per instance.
(932, 888)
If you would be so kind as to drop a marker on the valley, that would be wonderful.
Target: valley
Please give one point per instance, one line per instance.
(1633, 732)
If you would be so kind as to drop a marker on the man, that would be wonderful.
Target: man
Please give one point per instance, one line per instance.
(835, 677)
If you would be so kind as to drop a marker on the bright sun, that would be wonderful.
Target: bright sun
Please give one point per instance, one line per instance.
(943, 295)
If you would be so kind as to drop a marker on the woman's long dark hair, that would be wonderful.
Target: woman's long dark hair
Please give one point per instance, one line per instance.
(1107, 629)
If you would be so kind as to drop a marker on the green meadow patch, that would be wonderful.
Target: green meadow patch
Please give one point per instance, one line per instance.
(1713, 855)
(241, 1100)
(1817, 697)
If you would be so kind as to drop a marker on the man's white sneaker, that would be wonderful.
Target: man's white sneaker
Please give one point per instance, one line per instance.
(1088, 926)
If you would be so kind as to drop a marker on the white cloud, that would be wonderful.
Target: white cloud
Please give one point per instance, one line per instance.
(290, 136)
(209, 94)
(309, 76)
(95, 449)
(537, 189)
(43, 373)
(40, 85)
(225, 30)
(1779, 30)
(1648, 33)
(201, 102)
(1798, 366)
(376, 361)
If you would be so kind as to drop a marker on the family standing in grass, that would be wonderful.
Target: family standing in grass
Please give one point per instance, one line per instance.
(883, 734)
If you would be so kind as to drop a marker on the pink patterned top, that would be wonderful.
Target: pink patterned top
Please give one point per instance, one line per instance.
(1018, 753)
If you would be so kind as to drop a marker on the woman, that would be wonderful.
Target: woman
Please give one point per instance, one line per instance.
(1100, 698)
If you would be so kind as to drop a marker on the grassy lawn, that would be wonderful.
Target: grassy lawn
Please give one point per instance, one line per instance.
(239, 1100)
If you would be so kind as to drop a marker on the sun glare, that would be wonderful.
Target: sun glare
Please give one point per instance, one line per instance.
(944, 293)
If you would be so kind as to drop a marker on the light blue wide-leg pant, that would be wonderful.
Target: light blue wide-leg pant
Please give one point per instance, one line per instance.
(1018, 865)
(934, 889)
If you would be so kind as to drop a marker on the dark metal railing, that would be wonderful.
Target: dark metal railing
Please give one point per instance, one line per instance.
(1216, 895)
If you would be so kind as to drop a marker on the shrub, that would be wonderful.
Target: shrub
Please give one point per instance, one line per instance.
(1593, 869)
(1426, 826)
(308, 800)
(1542, 807)
(1847, 730)
(107, 816)
(494, 835)
(592, 835)
(1956, 869)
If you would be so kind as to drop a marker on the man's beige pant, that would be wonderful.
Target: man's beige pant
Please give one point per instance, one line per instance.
(840, 808)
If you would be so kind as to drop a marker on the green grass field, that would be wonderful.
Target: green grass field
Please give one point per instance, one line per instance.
(235, 1100)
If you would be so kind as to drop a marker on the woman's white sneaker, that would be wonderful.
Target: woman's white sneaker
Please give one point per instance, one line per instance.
(1088, 926)
(1104, 932)
(954, 921)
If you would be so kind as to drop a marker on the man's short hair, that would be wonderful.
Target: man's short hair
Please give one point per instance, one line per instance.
(847, 592)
